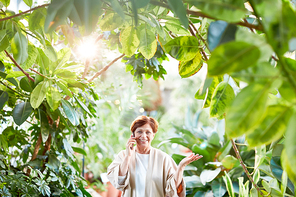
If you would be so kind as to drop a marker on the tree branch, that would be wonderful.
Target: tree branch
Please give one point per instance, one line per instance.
(22, 13)
(37, 146)
(13, 60)
(38, 72)
(196, 13)
(14, 90)
(202, 51)
(197, 32)
(245, 168)
(105, 68)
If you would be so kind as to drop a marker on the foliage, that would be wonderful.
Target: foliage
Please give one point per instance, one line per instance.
(254, 56)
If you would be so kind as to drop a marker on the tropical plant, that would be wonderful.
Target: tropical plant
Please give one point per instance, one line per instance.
(249, 43)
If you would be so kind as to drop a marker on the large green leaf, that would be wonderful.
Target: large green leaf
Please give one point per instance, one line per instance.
(290, 145)
(2, 68)
(226, 10)
(189, 68)
(50, 52)
(53, 97)
(232, 56)
(21, 112)
(246, 110)
(221, 99)
(38, 94)
(129, 41)
(88, 12)
(70, 112)
(258, 40)
(26, 85)
(148, 43)
(272, 127)
(5, 2)
(218, 189)
(83, 106)
(179, 10)
(4, 42)
(110, 22)
(44, 125)
(57, 13)
(33, 54)
(141, 3)
(288, 167)
(183, 48)
(79, 150)
(3, 98)
(19, 48)
(220, 32)
(118, 8)
(176, 27)
(230, 162)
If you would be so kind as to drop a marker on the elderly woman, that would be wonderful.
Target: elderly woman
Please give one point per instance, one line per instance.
(143, 171)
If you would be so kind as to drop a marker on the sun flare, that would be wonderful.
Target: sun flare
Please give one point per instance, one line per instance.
(88, 48)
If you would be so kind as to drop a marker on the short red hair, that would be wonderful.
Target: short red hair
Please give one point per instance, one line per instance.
(142, 120)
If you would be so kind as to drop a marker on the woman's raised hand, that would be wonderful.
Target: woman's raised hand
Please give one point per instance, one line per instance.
(191, 158)
(130, 146)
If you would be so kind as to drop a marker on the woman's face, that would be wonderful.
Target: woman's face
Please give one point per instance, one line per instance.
(144, 135)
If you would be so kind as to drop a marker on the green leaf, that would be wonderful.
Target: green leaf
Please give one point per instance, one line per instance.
(256, 176)
(68, 148)
(19, 48)
(272, 127)
(5, 2)
(38, 94)
(221, 99)
(183, 48)
(70, 112)
(129, 41)
(57, 12)
(135, 12)
(50, 52)
(3, 98)
(64, 89)
(260, 154)
(179, 9)
(290, 148)
(259, 40)
(110, 22)
(28, 2)
(201, 151)
(141, 3)
(226, 10)
(53, 162)
(189, 68)
(218, 188)
(79, 150)
(4, 42)
(246, 110)
(224, 150)
(63, 57)
(148, 43)
(63, 73)
(53, 97)
(118, 8)
(220, 32)
(88, 12)
(232, 56)
(33, 54)
(37, 19)
(21, 112)
(44, 125)
(26, 85)
(230, 162)
(228, 184)
(83, 106)
(177, 28)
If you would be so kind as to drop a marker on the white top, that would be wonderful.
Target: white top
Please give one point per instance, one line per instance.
(141, 170)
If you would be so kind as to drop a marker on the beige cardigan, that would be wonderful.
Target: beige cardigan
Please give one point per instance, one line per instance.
(160, 180)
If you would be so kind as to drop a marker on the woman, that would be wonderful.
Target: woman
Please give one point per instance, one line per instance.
(143, 171)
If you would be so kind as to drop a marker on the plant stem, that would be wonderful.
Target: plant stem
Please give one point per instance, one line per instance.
(202, 51)
(13, 60)
(197, 32)
(245, 168)
(196, 13)
(38, 72)
(105, 68)
(22, 13)
(13, 89)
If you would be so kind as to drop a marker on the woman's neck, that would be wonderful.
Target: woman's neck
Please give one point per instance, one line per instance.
(143, 150)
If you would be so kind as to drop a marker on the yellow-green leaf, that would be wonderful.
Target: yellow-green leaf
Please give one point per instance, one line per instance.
(246, 110)
(272, 127)
(189, 68)
(148, 43)
(19, 48)
(110, 22)
(129, 41)
(53, 97)
(38, 94)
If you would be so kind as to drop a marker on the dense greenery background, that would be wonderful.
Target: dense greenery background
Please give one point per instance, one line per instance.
(247, 48)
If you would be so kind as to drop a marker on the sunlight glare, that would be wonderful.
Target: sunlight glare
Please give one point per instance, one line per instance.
(88, 49)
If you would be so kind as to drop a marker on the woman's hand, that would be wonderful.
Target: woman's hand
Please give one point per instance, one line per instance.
(130, 146)
(187, 160)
